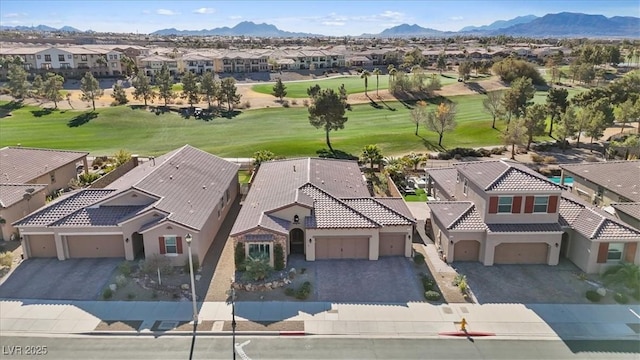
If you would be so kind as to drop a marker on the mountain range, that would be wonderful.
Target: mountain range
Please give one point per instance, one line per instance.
(563, 24)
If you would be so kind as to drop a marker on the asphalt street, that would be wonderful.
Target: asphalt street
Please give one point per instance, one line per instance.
(254, 348)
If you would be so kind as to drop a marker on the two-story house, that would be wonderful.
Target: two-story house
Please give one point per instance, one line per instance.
(152, 65)
(501, 212)
(198, 64)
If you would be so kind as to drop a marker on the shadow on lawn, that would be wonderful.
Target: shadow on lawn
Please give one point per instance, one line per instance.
(336, 154)
(7, 108)
(41, 112)
(82, 119)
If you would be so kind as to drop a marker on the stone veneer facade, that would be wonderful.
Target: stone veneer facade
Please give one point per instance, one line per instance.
(278, 239)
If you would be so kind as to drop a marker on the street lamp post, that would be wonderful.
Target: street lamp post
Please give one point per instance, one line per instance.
(233, 319)
(188, 239)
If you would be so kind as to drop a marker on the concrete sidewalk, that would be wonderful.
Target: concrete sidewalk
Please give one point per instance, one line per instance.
(539, 321)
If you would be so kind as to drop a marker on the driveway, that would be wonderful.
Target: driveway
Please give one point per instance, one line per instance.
(525, 284)
(51, 279)
(387, 280)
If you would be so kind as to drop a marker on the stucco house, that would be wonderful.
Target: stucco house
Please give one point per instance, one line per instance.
(322, 209)
(27, 176)
(501, 212)
(603, 183)
(146, 212)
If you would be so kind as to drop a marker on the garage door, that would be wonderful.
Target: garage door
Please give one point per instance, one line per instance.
(351, 247)
(466, 250)
(94, 246)
(42, 246)
(392, 244)
(533, 253)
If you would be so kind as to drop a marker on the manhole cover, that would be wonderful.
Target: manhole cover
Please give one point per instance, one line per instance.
(167, 325)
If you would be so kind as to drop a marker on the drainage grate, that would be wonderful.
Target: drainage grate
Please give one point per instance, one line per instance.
(167, 325)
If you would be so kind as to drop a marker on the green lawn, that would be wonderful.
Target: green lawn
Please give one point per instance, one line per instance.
(354, 84)
(244, 176)
(420, 195)
(284, 131)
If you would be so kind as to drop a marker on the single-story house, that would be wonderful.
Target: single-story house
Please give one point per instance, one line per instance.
(322, 209)
(603, 183)
(28, 176)
(146, 212)
(502, 212)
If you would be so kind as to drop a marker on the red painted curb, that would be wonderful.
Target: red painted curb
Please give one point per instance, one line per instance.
(466, 333)
(292, 333)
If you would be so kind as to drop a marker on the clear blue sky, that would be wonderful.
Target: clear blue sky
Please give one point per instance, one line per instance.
(352, 17)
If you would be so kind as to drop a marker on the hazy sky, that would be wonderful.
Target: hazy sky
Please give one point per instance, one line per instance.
(352, 17)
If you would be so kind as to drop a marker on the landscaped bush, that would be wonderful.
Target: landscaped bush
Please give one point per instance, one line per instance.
(125, 268)
(289, 291)
(121, 281)
(418, 259)
(97, 162)
(498, 150)
(303, 291)
(256, 269)
(427, 282)
(131, 296)
(196, 265)
(550, 160)
(305, 102)
(484, 152)
(239, 256)
(593, 296)
(151, 265)
(278, 257)
(621, 298)
(285, 103)
(462, 285)
(6, 259)
(294, 102)
(538, 159)
(88, 178)
(432, 295)
(107, 293)
(458, 279)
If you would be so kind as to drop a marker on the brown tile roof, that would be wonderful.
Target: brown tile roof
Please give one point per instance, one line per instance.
(457, 215)
(504, 175)
(520, 228)
(398, 205)
(63, 206)
(593, 223)
(13, 193)
(621, 177)
(99, 216)
(331, 213)
(631, 209)
(21, 165)
(445, 178)
(378, 212)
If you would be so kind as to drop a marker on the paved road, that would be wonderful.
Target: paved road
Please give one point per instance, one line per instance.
(314, 348)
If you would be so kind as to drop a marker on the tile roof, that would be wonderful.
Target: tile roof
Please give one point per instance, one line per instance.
(593, 223)
(631, 209)
(445, 178)
(277, 184)
(99, 216)
(504, 175)
(63, 207)
(621, 177)
(457, 215)
(332, 213)
(13, 193)
(520, 228)
(21, 165)
(378, 212)
(398, 205)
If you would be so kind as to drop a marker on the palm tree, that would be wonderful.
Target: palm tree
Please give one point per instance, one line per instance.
(365, 75)
(372, 154)
(391, 68)
(627, 274)
(392, 74)
(377, 73)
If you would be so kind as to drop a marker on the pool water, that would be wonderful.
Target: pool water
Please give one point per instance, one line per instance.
(568, 180)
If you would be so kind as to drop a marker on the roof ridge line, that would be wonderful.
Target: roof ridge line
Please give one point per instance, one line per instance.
(347, 206)
(155, 168)
(502, 175)
(390, 209)
(66, 216)
(456, 220)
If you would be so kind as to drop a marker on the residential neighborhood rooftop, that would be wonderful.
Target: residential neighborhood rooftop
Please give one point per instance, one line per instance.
(21, 164)
(13, 193)
(621, 177)
(631, 209)
(458, 215)
(504, 175)
(594, 223)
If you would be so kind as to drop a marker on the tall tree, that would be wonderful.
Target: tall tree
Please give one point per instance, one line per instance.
(556, 104)
(261, 156)
(209, 87)
(313, 91)
(190, 88)
(391, 69)
(279, 89)
(37, 86)
(441, 63)
(516, 134)
(165, 85)
(377, 73)
(371, 154)
(327, 112)
(228, 90)
(52, 88)
(566, 126)
(119, 95)
(90, 88)
(18, 84)
(534, 121)
(492, 104)
(442, 120)
(392, 74)
(596, 123)
(365, 75)
(419, 114)
(342, 92)
(129, 65)
(464, 70)
(583, 117)
(142, 88)
(628, 111)
(518, 97)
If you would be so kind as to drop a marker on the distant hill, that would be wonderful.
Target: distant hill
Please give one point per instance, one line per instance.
(567, 24)
(501, 24)
(40, 28)
(245, 28)
(406, 30)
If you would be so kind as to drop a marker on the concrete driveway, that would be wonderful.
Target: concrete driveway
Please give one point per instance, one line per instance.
(73, 279)
(387, 280)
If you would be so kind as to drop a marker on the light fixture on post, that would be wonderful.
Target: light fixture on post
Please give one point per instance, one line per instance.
(296, 219)
(188, 239)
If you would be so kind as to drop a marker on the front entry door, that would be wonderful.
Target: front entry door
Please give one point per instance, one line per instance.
(296, 241)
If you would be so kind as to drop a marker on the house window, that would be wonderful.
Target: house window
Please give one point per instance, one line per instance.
(170, 245)
(615, 252)
(47, 58)
(457, 178)
(83, 57)
(259, 251)
(60, 57)
(226, 194)
(540, 204)
(504, 204)
(465, 187)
